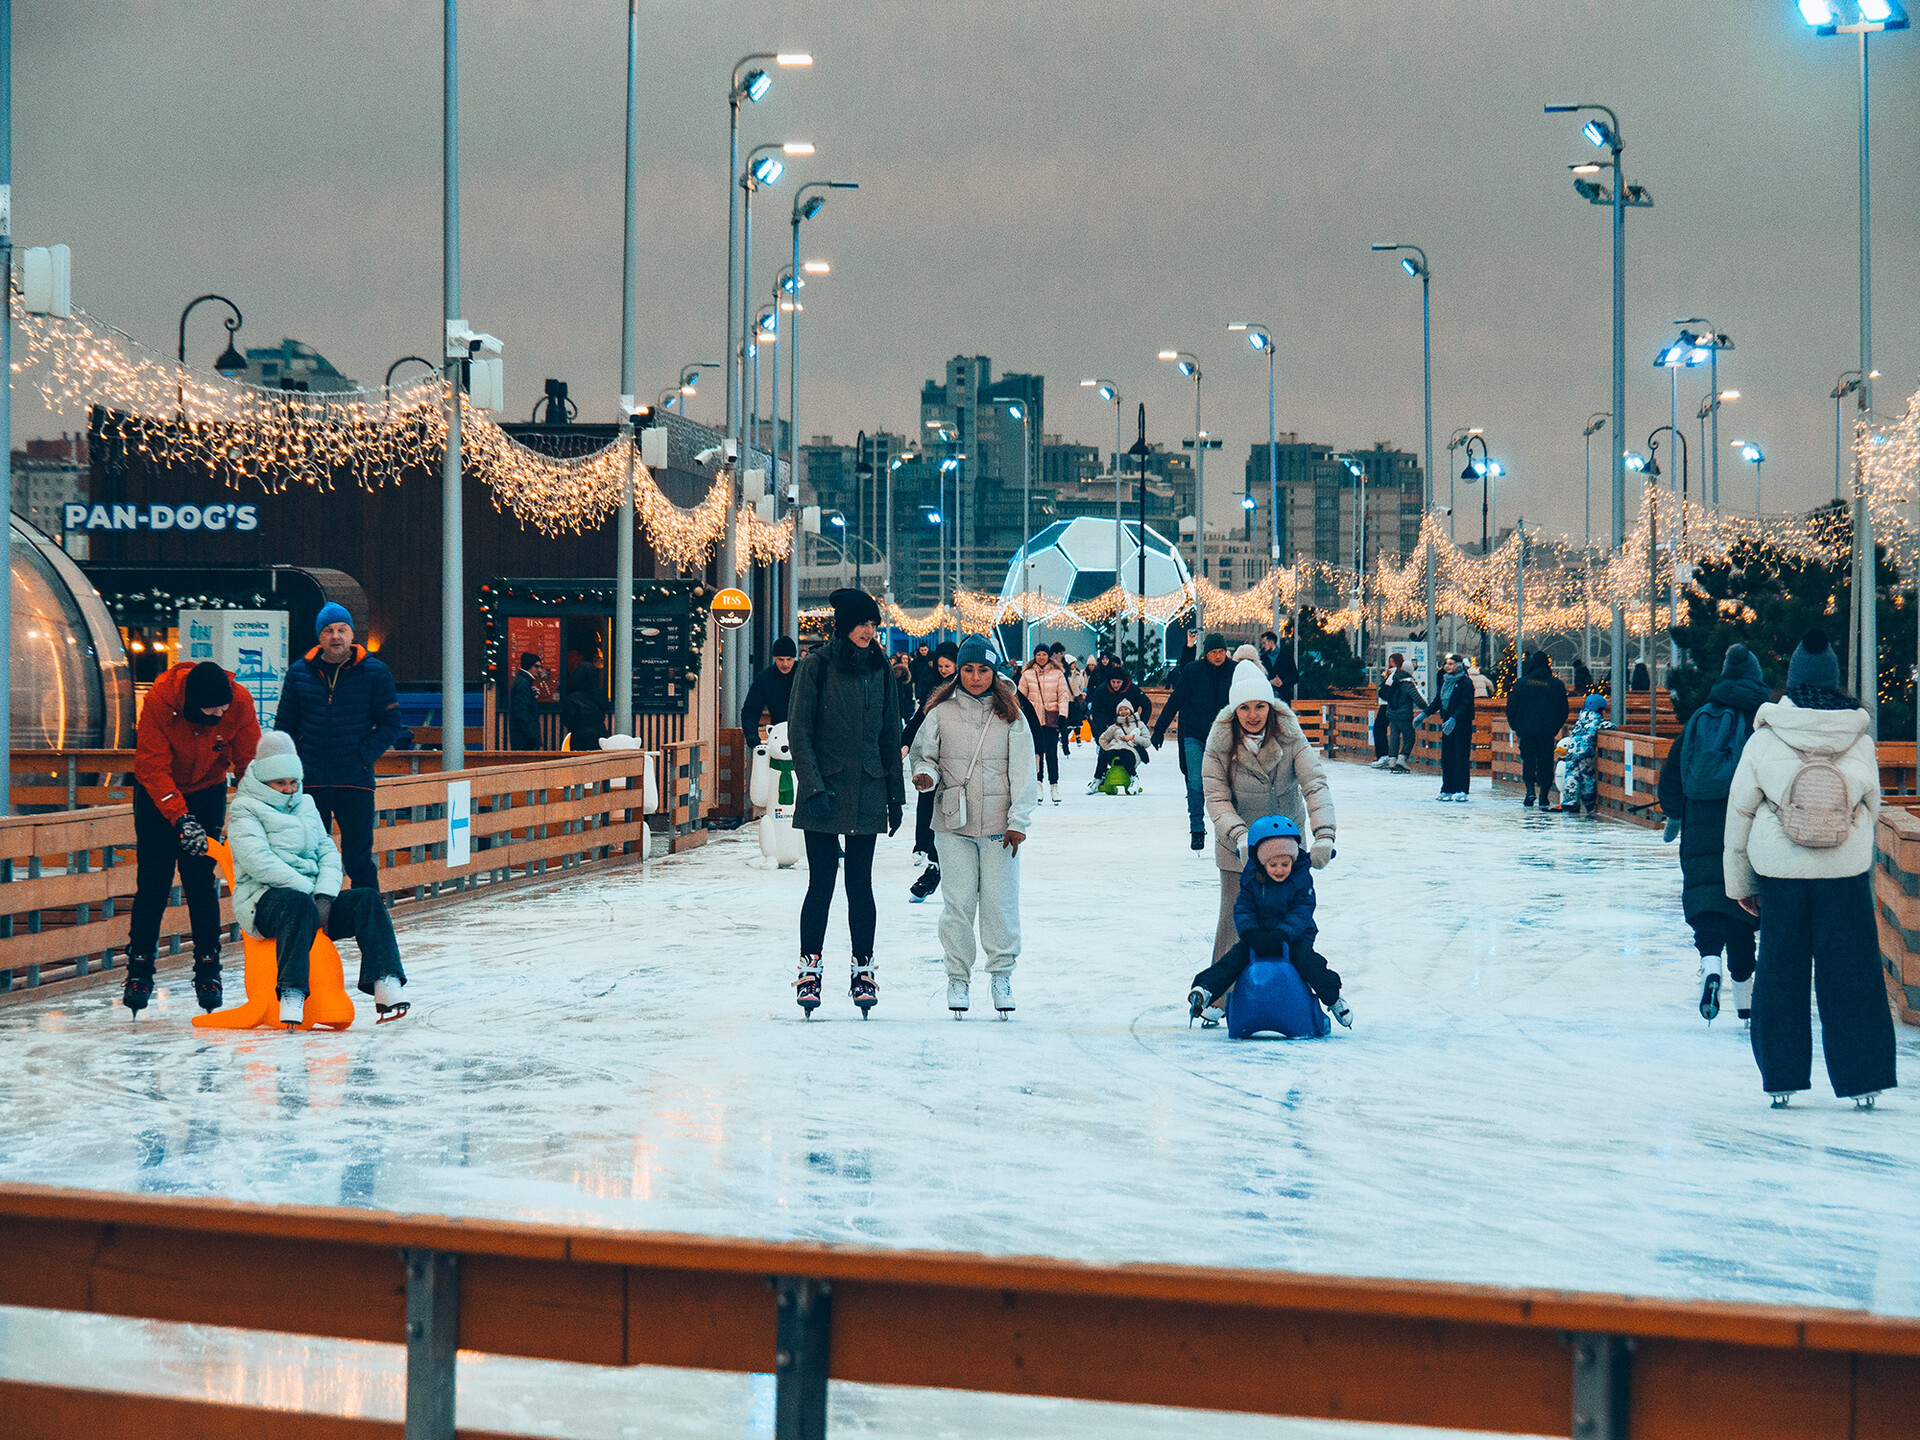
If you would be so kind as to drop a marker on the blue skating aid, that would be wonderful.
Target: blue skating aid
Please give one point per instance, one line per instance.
(1271, 998)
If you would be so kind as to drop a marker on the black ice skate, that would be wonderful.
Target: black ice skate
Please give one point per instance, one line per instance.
(1710, 997)
(1197, 1002)
(928, 882)
(806, 989)
(861, 987)
(1865, 1102)
(139, 987)
(206, 982)
(1780, 1098)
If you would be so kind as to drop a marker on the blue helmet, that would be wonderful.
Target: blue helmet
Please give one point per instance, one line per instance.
(1594, 702)
(1271, 827)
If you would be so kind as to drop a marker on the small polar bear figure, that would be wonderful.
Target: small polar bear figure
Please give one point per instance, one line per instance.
(772, 789)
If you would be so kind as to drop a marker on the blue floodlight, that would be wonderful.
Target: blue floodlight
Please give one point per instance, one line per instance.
(839, 520)
(1016, 412)
(1186, 369)
(770, 323)
(1635, 461)
(1598, 133)
(1407, 264)
(1495, 469)
(756, 85)
(933, 517)
(1751, 452)
(768, 169)
(1247, 502)
(1259, 339)
(1106, 392)
(898, 463)
(949, 465)
(1816, 12)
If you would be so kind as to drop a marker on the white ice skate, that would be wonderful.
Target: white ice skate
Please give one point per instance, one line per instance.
(1865, 1102)
(958, 997)
(1342, 1011)
(1003, 995)
(1053, 793)
(1780, 1098)
(1710, 995)
(1382, 763)
(1743, 1000)
(293, 1006)
(389, 1000)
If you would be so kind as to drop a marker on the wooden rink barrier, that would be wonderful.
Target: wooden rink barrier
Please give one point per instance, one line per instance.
(1420, 1353)
(67, 878)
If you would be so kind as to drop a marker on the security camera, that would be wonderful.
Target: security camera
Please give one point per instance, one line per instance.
(1444, 509)
(707, 456)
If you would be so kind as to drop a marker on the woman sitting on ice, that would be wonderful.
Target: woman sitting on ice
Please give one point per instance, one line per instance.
(1123, 743)
(286, 884)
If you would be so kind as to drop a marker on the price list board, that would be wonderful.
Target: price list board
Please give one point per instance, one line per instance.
(661, 684)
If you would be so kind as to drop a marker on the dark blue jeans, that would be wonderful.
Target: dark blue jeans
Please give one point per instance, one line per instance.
(290, 920)
(1193, 751)
(1821, 933)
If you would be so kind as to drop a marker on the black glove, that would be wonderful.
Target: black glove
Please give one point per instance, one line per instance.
(193, 836)
(324, 905)
(1156, 741)
(895, 810)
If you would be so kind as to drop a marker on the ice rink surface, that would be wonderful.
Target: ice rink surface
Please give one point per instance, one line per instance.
(1528, 1097)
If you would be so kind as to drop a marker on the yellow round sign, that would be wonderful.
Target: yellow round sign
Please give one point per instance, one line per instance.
(732, 608)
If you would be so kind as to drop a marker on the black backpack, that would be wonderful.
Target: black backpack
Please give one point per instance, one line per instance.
(1710, 751)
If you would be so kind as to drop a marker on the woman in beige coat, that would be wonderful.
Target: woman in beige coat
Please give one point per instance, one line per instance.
(1259, 762)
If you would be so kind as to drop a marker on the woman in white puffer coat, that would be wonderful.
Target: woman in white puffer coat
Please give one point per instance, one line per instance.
(974, 752)
(1801, 814)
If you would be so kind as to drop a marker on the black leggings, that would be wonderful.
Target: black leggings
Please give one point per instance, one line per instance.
(1311, 966)
(1047, 752)
(1714, 932)
(823, 859)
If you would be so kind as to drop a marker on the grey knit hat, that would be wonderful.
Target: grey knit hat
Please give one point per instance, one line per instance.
(277, 758)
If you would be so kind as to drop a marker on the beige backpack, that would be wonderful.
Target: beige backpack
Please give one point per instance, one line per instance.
(1817, 814)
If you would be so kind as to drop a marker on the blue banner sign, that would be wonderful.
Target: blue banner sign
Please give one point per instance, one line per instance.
(161, 517)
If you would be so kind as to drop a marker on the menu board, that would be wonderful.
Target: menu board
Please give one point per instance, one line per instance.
(661, 685)
(536, 635)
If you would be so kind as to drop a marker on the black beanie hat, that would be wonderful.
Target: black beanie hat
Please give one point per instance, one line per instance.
(784, 648)
(850, 608)
(947, 650)
(1814, 663)
(208, 687)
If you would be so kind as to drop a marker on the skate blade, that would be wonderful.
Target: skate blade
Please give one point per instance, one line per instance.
(384, 1013)
(1003, 1015)
(959, 1014)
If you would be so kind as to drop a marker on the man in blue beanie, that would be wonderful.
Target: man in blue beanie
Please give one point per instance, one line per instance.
(340, 707)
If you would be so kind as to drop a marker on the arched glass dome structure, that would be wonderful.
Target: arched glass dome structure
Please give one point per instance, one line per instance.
(1073, 561)
(71, 689)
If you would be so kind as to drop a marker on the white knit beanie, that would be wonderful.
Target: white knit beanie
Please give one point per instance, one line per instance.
(276, 758)
(1246, 652)
(1249, 683)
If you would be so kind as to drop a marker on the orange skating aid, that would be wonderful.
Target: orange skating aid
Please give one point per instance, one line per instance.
(328, 1005)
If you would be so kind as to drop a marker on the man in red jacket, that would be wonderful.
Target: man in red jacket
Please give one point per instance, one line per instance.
(196, 727)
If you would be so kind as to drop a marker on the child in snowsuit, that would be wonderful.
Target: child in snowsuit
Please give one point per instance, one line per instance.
(1123, 743)
(286, 884)
(1272, 914)
(1582, 751)
(974, 754)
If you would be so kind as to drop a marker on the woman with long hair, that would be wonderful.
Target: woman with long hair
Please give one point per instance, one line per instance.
(1044, 683)
(843, 726)
(974, 754)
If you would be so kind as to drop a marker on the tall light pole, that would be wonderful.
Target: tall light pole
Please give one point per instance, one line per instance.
(1679, 486)
(1415, 263)
(1596, 422)
(623, 539)
(1606, 135)
(750, 82)
(1485, 470)
(807, 203)
(6, 372)
(1754, 456)
(1189, 366)
(453, 677)
(1109, 391)
(1861, 18)
(1261, 338)
(1020, 411)
(1848, 382)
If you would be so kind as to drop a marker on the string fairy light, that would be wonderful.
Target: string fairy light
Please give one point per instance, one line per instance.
(182, 418)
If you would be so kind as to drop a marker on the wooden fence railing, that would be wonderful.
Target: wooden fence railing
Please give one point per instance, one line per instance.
(67, 879)
(1469, 1357)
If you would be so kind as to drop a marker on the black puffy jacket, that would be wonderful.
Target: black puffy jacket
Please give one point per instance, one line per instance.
(1199, 695)
(1703, 823)
(1538, 704)
(342, 718)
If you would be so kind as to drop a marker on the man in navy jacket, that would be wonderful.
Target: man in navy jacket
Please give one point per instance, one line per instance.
(340, 707)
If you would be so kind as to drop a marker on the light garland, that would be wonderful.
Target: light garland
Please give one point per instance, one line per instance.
(181, 417)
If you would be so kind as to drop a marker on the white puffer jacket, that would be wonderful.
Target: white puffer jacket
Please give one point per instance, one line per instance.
(1756, 843)
(278, 843)
(963, 744)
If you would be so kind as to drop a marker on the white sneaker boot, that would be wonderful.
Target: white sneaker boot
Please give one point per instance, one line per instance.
(1053, 793)
(1382, 763)
(293, 1007)
(1003, 995)
(959, 996)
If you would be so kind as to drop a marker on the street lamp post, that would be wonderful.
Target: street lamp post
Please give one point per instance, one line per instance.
(1751, 453)
(1848, 382)
(1107, 390)
(453, 687)
(1189, 366)
(1596, 422)
(1261, 338)
(231, 361)
(1414, 262)
(1865, 17)
(1606, 135)
(1675, 540)
(806, 205)
(624, 523)
(1486, 470)
(1022, 412)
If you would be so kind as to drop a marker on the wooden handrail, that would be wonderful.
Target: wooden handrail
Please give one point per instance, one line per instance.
(1332, 1347)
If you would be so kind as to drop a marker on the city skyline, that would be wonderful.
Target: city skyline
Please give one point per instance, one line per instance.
(1110, 209)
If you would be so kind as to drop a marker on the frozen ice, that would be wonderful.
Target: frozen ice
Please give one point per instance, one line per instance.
(1528, 1097)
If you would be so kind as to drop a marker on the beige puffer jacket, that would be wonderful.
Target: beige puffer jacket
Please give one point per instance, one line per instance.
(1282, 778)
(1000, 785)
(1756, 842)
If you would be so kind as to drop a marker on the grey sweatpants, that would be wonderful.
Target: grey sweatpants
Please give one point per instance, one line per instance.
(979, 876)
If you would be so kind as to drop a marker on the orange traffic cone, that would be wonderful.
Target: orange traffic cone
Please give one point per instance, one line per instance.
(327, 1003)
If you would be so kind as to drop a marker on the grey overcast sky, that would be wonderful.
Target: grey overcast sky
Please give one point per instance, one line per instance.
(1063, 185)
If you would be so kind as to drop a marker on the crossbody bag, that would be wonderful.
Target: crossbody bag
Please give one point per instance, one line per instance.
(953, 799)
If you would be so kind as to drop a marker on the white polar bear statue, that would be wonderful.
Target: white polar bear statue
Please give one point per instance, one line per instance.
(772, 788)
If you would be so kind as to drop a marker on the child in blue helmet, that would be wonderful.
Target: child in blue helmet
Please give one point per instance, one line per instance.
(1581, 749)
(1273, 916)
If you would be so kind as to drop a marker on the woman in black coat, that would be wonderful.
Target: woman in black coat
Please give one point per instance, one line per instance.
(1453, 702)
(843, 726)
